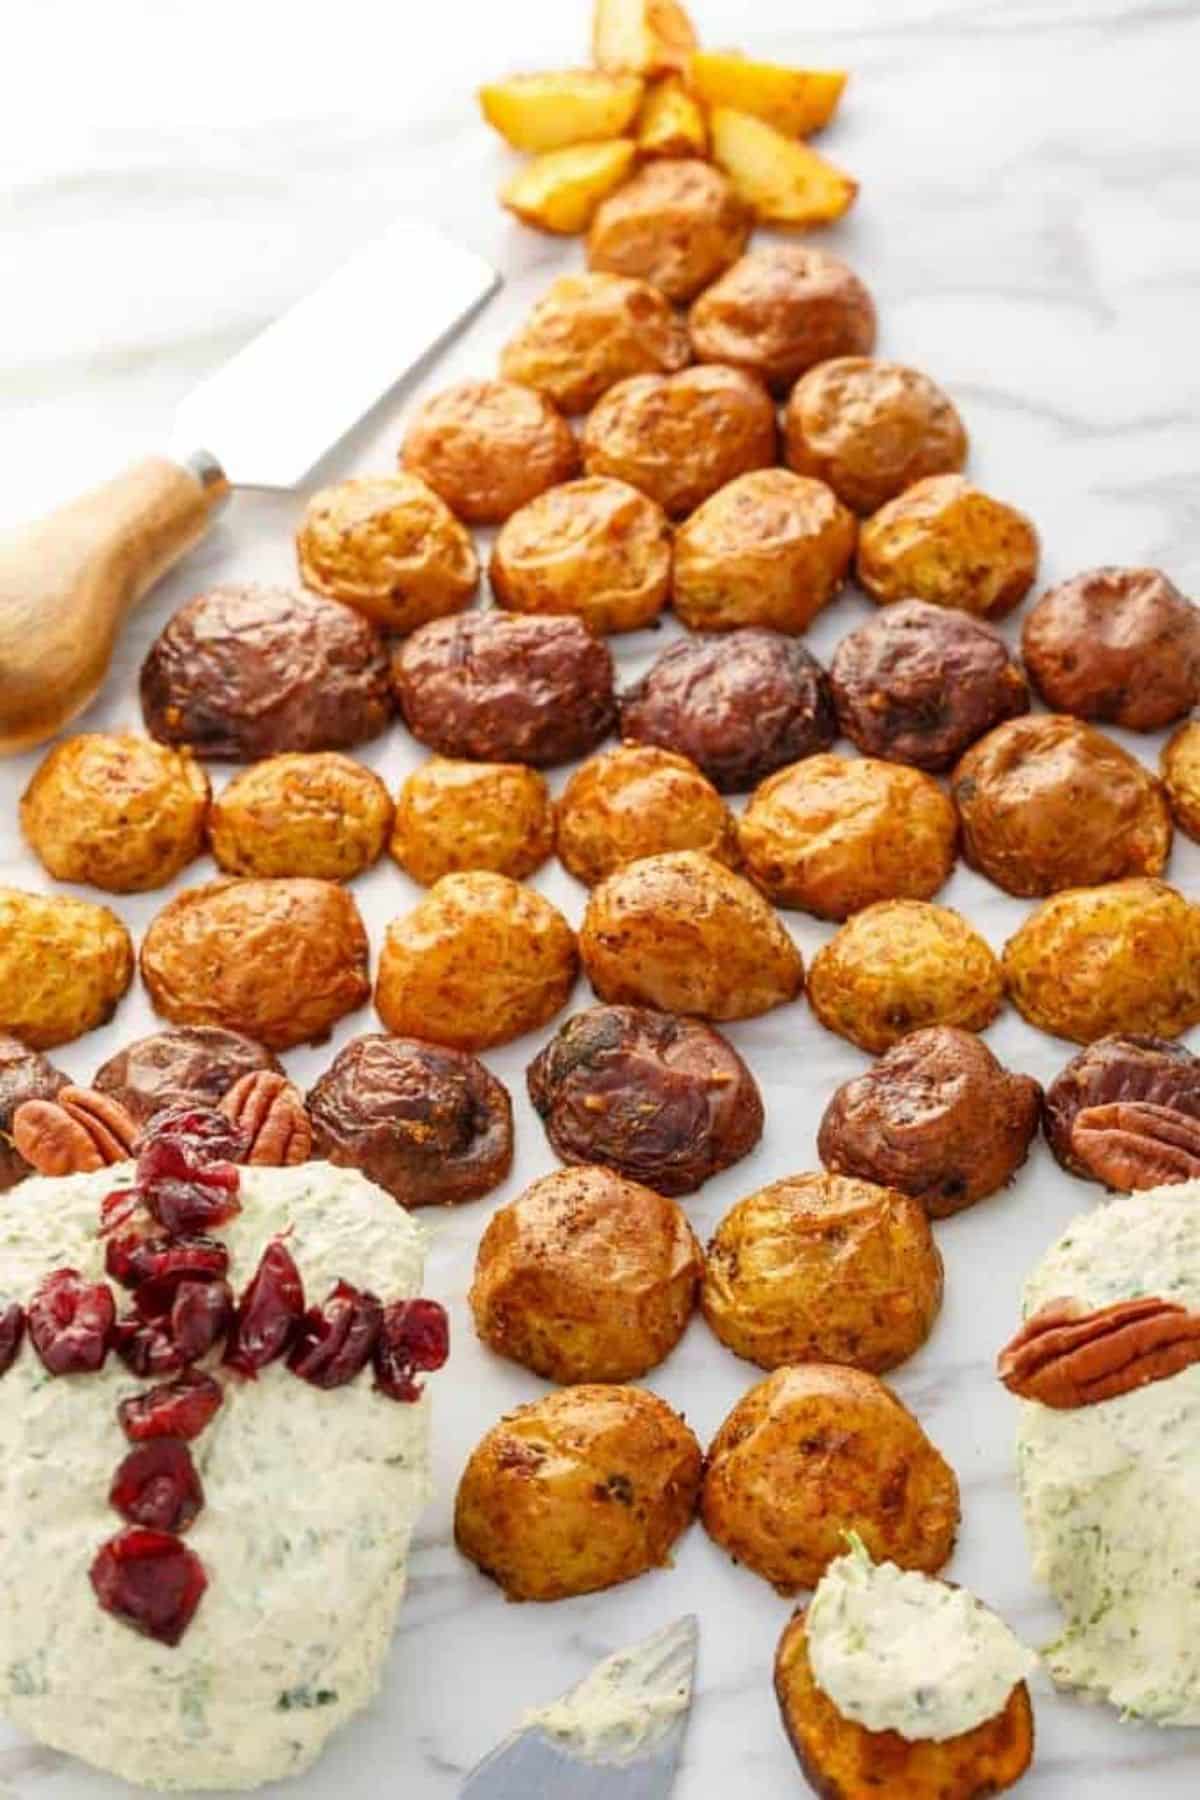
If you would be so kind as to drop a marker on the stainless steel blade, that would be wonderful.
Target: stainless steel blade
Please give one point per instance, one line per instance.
(277, 406)
(616, 1735)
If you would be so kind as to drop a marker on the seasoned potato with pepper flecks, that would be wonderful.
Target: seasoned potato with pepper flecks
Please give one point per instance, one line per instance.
(1181, 777)
(639, 801)
(64, 964)
(870, 429)
(780, 310)
(452, 816)
(595, 548)
(946, 542)
(590, 330)
(390, 547)
(487, 447)
(312, 813)
(677, 224)
(681, 437)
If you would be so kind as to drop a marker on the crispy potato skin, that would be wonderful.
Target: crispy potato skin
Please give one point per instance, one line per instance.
(452, 816)
(821, 1268)
(1046, 802)
(553, 111)
(681, 437)
(590, 330)
(487, 447)
(639, 801)
(936, 1117)
(779, 311)
(1090, 962)
(186, 1065)
(586, 1277)
(833, 834)
(683, 933)
(817, 1450)
(390, 547)
(1121, 646)
(899, 965)
(1181, 777)
(769, 548)
(560, 191)
(586, 1487)
(64, 964)
(115, 810)
(308, 813)
(596, 549)
(280, 961)
(945, 541)
(870, 429)
(842, 1760)
(677, 224)
(24, 1075)
(478, 961)
(1124, 1066)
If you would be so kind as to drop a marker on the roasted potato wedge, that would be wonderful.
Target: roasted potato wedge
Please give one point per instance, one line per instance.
(671, 122)
(784, 181)
(560, 191)
(644, 36)
(795, 101)
(549, 112)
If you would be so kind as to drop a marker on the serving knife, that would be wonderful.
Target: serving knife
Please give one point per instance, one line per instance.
(68, 581)
(616, 1735)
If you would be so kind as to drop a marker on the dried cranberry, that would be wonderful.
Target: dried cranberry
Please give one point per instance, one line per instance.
(186, 1168)
(12, 1330)
(147, 1348)
(415, 1336)
(71, 1322)
(156, 1341)
(157, 1265)
(118, 1209)
(269, 1313)
(150, 1581)
(176, 1409)
(157, 1485)
(335, 1341)
(201, 1314)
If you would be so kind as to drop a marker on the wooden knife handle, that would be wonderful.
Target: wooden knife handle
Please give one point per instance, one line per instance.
(68, 580)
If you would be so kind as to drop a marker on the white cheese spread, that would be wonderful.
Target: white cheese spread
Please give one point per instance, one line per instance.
(629, 1703)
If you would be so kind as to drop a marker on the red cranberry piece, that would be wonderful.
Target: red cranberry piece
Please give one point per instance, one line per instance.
(154, 1342)
(335, 1340)
(71, 1322)
(157, 1486)
(158, 1265)
(201, 1314)
(12, 1330)
(186, 1168)
(147, 1348)
(118, 1209)
(269, 1314)
(415, 1336)
(176, 1409)
(150, 1581)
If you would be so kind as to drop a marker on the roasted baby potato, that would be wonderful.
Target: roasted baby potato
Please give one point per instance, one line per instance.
(639, 801)
(185, 1065)
(24, 1075)
(781, 179)
(560, 191)
(317, 814)
(870, 429)
(817, 1268)
(487, 447)
(64, 964)
(552, 111)
(647, 36)
(597, 549)
(584, 1488)
(676, 224)
(1181, 777)
(1121, 646)
(780, 310)
(670, 122)
(947, 542)
(590, 330)
(586, 1277)
(899, 965)
(683, 933)
(796, 102)
(115, 810)
(389, 547)
(813, 1452)
(452, 816)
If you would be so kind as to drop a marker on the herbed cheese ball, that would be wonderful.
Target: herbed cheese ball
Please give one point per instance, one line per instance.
(1121, 646)
(478, 961)
(780, 310)
(487, 447)
(64, 964)
(590, 330)
(1181, 777)
(945, 541)
(586, 1277)
(597, 549)
(452, 816)
(677, 224)
(115, 810)
(820, 1268)
(683, 933)
(577, 1491)
(1090, 962)
(900, 965)
(833, 834)
(314, 813)
(870, 429)
(639, 801)
(390, 547)
(769, 548)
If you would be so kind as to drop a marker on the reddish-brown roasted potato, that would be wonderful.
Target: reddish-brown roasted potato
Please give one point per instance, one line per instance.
(639, 801)
(595, 549)
(677, 224)
(780, 310)
(1181, 777)
(945, 541)
(870, 429)
(1120, 1068)
(452, 816)
(590, 330)
(24, 1075)
(184, 1065)
(304, 813)
(390, 547)
(902, 964)
(64, 964)
(1121, 646)
(488, 447)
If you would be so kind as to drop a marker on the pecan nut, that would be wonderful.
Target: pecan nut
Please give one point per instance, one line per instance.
(1065, 1357)
(1133, 1144)
(74, 1134)
(270, 1109)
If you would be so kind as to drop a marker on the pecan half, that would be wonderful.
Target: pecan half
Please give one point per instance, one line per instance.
(75, 1133)
(1065, 1357)
(270, 1108)
(1132, 1144)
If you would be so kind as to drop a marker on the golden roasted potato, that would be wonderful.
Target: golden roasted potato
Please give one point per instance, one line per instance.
(670, 122)
(769, 548)
(639, 801)
(647, 36)
(677, 224)
(1093, 962)
(796, 102)
(552, 111)
(595, 548)
(487, 447)
(577, 1491)
(821, 1268)
(560, 191)
(280, 961)
(1181, 777)
(870, 429)
(590, 330)
(780, 310)
(390, 547)
(305, 813)
(813, 1452)
(781, 179)
(833, 834)
(899, 965)
(64, 964)
(685, 934)
(116, 810)
(478, 961)
(586, 1277)
(947, 542)
(453, 816)
(843, 1759)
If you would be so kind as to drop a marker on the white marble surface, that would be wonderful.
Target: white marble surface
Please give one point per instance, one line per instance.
(1031, 186)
